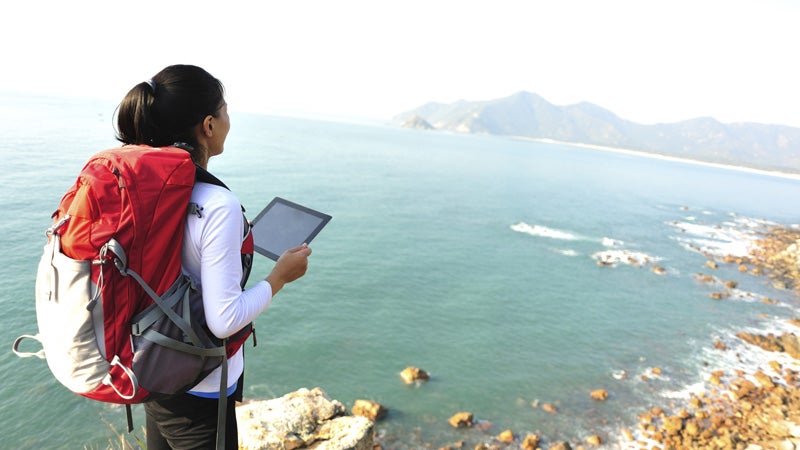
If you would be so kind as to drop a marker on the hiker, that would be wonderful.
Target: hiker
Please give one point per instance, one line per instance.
(184, 106)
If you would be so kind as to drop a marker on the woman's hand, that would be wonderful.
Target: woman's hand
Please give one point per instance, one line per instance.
(291, 265)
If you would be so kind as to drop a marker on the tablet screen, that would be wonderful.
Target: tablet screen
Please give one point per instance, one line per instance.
(283, 225)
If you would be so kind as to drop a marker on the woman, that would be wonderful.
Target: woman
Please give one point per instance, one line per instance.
(185, 105)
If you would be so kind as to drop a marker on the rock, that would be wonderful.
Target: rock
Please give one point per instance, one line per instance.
(413, 374)
(791, 345)
(550, 408)
(594, 440)
(301, 419)
(659, 270)
(742, 388)
(672, 425)
(711, 264)
(599, 394)
(692, 429)
(560, 446)
(703, 278)
(506, 437)
(763, 379)
(788, 342)
(461, 419)
(369, 409)
(531, 442)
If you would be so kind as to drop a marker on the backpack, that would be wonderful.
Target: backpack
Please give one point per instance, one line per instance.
(118, 321)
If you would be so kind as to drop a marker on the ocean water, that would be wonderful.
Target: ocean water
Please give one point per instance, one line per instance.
(472, 257)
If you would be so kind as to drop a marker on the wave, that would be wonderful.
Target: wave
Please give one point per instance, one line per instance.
(542, 231)
(731, 238)
(609, 242)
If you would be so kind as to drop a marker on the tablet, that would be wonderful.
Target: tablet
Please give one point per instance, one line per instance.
(283, 225)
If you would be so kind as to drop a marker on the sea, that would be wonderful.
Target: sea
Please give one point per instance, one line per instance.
(516, 273)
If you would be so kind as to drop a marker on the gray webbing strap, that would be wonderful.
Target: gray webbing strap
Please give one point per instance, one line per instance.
(122, 265)
(144, 321)
(166, 341)
(222, 406)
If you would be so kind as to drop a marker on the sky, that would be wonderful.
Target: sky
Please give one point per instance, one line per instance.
(646, 61)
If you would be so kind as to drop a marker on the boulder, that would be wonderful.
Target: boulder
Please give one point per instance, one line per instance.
(594, 440)
(599, 394)
(461, 419)
(550, 408)
(531, 442)
(506, 437)
(302, 419)
(369, 409)
(413, 374)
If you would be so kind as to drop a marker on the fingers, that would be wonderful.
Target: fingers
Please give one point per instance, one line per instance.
(304, 248)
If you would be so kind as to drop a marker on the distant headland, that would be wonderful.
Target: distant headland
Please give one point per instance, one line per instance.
(766, 147)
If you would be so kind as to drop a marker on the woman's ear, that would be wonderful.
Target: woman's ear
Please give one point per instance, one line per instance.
(208, 126)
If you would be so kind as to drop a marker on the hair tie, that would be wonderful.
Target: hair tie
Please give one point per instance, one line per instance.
(152, 85)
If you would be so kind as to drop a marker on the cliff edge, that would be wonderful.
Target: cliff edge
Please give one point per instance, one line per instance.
(302, 419)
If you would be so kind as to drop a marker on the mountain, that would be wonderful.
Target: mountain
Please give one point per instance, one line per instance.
(759, 146)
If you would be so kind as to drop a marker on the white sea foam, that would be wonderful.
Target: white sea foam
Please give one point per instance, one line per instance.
(609, 242)
(686, 392)
(542, 231)
(566, 251)
(735, 238)
(612, 257)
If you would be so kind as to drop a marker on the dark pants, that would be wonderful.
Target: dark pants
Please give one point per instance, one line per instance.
(188, 422)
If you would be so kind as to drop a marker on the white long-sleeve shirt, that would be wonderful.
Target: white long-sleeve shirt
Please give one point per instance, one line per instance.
(211, 256)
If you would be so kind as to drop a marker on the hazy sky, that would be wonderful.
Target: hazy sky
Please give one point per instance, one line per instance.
(647, 61)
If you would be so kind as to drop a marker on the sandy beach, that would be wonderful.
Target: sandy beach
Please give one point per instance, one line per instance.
(789, 175)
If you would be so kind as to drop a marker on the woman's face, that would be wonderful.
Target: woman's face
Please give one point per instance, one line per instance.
(220, 125)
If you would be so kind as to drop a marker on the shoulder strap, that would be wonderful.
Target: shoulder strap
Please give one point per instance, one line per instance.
(206, 177)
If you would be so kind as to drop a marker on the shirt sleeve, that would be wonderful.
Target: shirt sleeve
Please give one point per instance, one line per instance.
(227, 307)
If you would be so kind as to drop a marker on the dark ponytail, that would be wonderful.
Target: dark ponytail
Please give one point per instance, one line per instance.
(167, 108)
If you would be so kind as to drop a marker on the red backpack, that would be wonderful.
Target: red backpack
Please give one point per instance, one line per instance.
(118, 321)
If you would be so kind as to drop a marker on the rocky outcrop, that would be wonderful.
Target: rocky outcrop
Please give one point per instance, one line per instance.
(776, 255)
(741, 412)
(302, 419)
(788, 343)
(417, 122)
(744, 410)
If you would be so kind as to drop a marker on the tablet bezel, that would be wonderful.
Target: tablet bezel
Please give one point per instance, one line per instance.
(325, 218)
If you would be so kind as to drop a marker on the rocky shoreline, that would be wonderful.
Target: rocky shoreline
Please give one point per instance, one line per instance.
(753, 409)
(748, 410)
